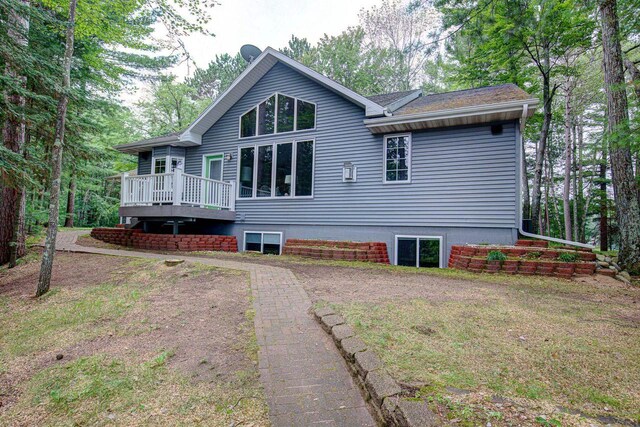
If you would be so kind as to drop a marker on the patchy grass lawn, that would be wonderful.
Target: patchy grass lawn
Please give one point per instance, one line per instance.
(141, 344)
(510, 350)
(543, 345)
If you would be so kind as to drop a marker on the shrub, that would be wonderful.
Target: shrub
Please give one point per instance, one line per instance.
(568, 257)
(533, 255)
(496, 256)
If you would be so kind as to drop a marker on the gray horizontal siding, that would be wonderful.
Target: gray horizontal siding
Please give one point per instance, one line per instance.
(461, 177)
(144, 163)
(161, 151)
(177, 151)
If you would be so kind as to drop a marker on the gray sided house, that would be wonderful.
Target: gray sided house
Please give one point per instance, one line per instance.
(287, 153)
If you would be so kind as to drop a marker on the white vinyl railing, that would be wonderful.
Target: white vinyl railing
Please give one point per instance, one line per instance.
(177, 188)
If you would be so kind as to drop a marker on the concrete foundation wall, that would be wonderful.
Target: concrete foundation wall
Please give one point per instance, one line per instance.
(450, 235)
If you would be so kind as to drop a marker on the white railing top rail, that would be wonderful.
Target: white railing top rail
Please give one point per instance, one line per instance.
(181, 188)
(206, 179)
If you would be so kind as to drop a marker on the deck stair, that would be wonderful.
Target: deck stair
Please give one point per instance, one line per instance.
(528, 257)
(337, 250)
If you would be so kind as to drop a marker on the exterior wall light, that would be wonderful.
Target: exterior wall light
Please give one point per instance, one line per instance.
(349, 172)
(228, 157)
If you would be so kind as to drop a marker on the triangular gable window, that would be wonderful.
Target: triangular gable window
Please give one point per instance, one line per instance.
(278, 114)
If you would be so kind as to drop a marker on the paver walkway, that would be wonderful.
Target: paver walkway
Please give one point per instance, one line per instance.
(305, 379)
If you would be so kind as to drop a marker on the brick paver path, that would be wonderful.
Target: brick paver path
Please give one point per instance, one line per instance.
(305, 379)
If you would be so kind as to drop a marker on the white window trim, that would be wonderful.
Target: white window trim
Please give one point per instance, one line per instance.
(262, 233)
(275, 124)
(294, 157)
(204, 163)
(402, 236)
(384, 158)
(167, 160)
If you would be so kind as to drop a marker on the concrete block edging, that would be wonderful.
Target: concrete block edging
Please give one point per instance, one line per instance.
(381, 391)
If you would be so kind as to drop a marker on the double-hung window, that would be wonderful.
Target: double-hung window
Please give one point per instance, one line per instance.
(283, 169)
(397, 158)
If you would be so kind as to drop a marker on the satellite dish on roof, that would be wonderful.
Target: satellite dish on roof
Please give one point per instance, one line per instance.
(249, 52)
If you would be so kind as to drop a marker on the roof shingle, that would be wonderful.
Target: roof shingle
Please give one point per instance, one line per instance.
(463, 98)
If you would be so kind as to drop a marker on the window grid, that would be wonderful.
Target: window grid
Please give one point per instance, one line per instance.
(397, 159)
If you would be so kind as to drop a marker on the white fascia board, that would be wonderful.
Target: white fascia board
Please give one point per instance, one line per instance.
(503, 107)
(258, 68)
(190, 131)
(371, 108)
(188, 136)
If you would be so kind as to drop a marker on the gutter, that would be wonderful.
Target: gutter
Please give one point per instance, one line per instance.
(523, 119)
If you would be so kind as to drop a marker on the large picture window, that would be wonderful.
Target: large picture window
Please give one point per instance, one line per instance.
(397, 158)
(278, 114)
(277, 170)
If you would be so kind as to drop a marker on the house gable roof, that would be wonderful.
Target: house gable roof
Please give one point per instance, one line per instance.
(389, 112)
(251, 75)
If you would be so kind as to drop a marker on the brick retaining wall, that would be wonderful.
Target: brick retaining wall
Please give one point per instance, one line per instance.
(338, 250)
(474, 258)
(165, 242)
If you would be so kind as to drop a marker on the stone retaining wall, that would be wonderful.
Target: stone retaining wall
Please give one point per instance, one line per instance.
(165, 242)
(391, 405)
(337, 250)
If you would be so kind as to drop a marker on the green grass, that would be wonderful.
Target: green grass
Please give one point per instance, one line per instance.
(64, 317)
(537, 346)
(99, 389)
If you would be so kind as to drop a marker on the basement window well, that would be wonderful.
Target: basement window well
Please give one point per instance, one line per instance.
(269, 243)
(419, 251)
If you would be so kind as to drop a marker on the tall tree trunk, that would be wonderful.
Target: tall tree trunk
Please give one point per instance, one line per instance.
(56, 158)
(547, 98)
(635, 77)
(578, 183)
(625, 188)
(546, 229)
(635, 82)
(574, 180)
(554, 199)
(604, 213)
(12, 244)
(71, 201)
(568, 148)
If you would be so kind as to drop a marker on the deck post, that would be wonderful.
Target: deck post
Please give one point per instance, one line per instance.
(177, 186)
(123, 188)
(232, 196)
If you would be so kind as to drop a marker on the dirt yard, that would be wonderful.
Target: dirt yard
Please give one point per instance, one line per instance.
(497, 349)
(129, 342)
(505, 350)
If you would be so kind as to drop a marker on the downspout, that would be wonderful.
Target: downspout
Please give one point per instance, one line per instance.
(387, 113)
(523, 119)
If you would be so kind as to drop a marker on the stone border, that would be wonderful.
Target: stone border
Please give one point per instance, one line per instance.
(381, 391)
